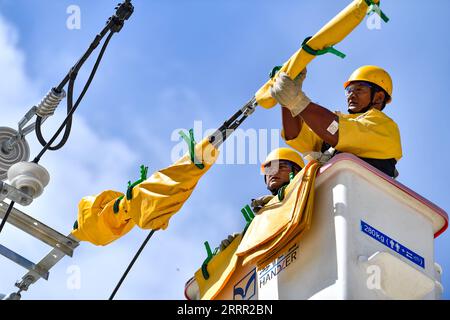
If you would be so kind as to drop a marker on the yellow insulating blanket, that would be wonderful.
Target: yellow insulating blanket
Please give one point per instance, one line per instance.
(278, 222)
(332, 33)
(274, 226)
(220, 268)
(154, 201)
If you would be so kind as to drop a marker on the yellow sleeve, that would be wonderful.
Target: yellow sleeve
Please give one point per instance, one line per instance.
(373, 135)
(306, 140)
(153, 202)
(163, 194)
(98, 223)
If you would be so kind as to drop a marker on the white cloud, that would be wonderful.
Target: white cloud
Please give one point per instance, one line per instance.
(16, 90)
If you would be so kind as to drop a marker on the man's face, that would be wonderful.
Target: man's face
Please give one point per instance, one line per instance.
(277, 174)
(358, 96)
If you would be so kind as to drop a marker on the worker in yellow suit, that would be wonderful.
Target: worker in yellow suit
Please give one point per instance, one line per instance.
(279, 168)
(365, 132)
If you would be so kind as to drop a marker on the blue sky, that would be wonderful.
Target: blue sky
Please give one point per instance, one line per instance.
(177, 62)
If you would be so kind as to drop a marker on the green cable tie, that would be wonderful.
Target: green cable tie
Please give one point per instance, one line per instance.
(313, 52)
(374, 7)
(191, 144)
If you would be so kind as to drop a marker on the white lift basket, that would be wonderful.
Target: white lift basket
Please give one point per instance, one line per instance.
(371, 238)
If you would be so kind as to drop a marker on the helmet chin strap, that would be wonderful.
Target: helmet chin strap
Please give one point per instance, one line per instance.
(369, 106)
(274, 192)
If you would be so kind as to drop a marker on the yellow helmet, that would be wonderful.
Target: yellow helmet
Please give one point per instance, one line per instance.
(284, 154)
(375, 75)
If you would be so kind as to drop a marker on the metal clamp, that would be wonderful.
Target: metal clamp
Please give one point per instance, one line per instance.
(25, 283)
(221, 134)
(13, 194)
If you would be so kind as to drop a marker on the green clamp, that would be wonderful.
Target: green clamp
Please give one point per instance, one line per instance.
(144, 172)
(248, 214)
(274, 71)
(116, 204)
(375, 8)
(281, 191)
(291, 176)
(210, 254)
(191, 144)
(313, 52)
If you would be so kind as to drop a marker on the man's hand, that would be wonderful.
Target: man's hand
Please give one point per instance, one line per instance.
(289, 92)
(285, 90)
(258, 204)
(226, 242)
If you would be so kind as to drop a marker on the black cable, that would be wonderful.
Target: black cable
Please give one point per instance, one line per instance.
(11, 205)
(114, 25)
(69, 101)
(67, 123)
(131, 265)
(71, 77)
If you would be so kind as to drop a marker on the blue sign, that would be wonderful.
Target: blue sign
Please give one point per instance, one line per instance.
(392, 244)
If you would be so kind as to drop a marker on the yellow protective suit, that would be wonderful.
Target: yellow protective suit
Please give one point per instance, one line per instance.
(332, 33)
(368, 135)
(273, 227)
(153, 202)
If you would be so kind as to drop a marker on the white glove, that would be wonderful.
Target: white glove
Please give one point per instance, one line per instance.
(289, 92)
(226, 242)
(258, 204)
(321, 157)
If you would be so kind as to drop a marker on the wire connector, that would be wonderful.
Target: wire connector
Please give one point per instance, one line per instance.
(50, 102)
(123, 12)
